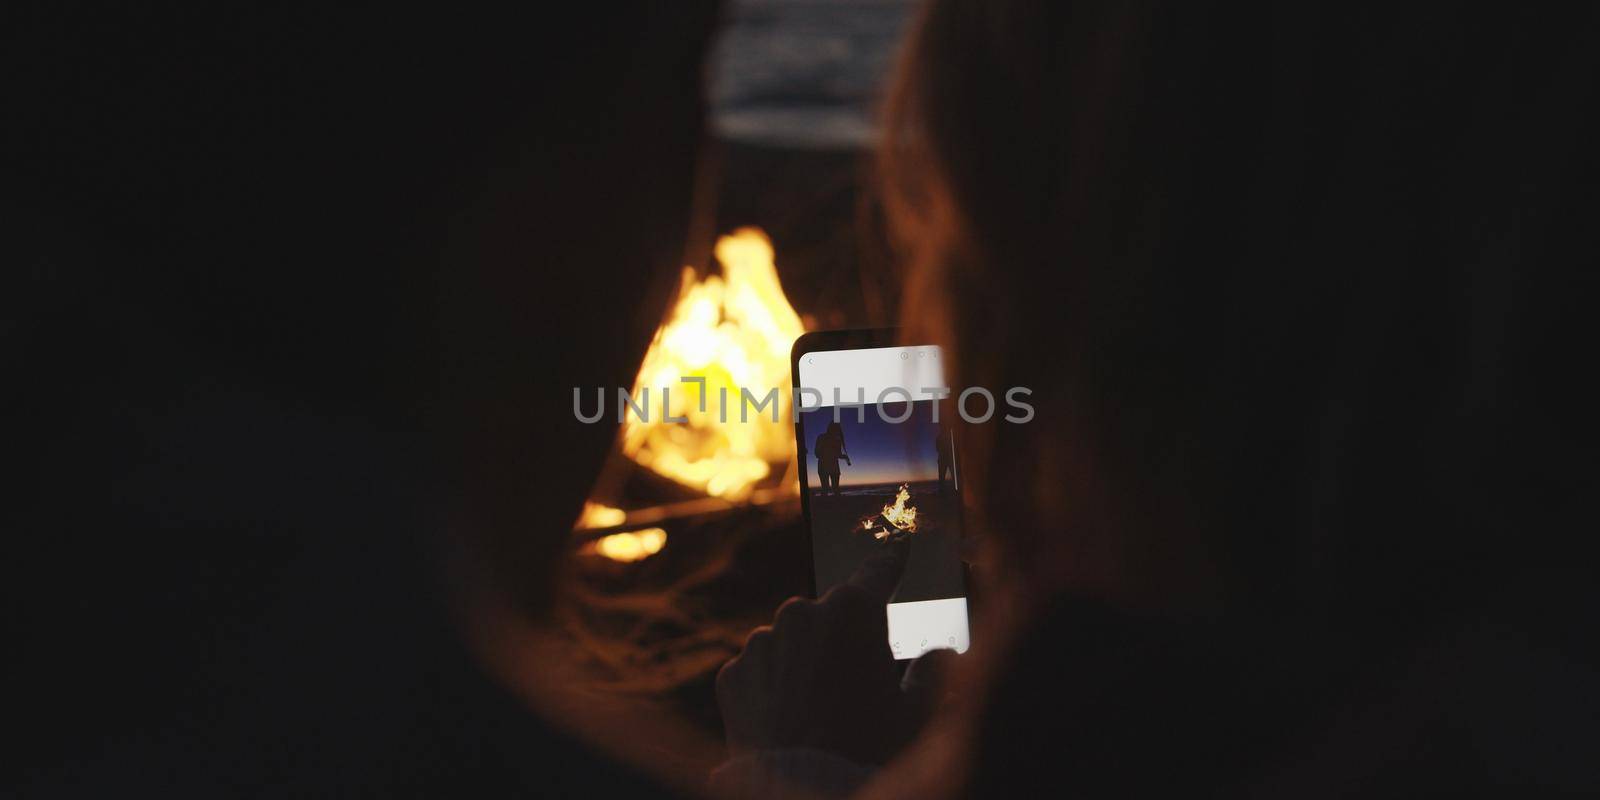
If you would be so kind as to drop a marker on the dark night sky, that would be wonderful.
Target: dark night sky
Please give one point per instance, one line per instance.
(881, 451)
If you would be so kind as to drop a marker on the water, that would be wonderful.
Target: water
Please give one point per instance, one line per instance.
(804, 73)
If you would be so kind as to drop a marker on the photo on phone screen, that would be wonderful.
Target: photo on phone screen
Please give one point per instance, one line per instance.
(876, 473)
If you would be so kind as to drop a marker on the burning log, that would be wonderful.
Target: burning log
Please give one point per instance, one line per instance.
(897, 520)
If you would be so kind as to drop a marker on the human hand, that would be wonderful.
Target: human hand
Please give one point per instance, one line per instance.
(822, 676)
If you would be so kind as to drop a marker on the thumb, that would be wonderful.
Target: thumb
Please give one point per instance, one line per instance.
(924, 687)
(879, 575)
(926, 675)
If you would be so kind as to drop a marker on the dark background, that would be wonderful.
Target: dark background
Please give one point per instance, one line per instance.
(275, 277)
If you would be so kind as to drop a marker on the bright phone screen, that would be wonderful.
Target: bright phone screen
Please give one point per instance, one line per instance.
(880, 467)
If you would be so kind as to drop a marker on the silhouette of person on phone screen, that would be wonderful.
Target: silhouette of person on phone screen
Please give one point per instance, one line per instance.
(830, 448)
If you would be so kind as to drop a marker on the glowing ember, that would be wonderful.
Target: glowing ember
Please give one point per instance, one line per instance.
(733, 330)
(629, 546)
(900, 517)
(596, 515)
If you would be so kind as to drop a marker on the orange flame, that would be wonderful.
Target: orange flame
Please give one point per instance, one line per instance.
(733, 330)
(597, 515)
(629, 545)
(624, 546)
(900, 514)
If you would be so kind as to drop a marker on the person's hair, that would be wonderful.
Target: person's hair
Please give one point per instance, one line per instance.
(1290, 294)
(1287, 289)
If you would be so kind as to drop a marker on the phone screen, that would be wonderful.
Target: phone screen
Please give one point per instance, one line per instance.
(879, 466)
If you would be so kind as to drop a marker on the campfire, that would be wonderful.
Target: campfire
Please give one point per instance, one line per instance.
(729, 331)
(895, 520)
(733, 330)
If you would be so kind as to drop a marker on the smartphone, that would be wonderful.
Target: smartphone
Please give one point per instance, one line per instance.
(878, 466)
